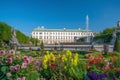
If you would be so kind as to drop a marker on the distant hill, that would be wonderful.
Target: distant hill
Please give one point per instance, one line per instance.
(5, 34)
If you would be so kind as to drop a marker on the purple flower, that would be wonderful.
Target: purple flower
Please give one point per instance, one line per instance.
(104, 75)
(114, 78)
(99, 77)
(94, 75)
(118, 73)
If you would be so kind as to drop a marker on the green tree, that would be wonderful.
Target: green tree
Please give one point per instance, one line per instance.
(81, 39)
(34, 41)
(105, 36)
(42, 45)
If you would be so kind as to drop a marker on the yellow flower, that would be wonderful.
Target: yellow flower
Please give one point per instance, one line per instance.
(65, 67)
(44, 64)
(45, 58)
(64, 58)
(68, 53)
(76, 56)
(52, 56)
(75, 61)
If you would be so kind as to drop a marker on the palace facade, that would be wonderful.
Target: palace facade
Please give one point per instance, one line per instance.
(52, 36)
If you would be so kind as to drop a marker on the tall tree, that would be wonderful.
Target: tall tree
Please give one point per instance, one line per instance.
(42, 45)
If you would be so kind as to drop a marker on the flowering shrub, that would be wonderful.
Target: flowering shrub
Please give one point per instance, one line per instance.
(100, 68)
(13, 66)
(63, 66)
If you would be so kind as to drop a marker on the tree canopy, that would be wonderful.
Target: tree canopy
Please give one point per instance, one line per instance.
(105, 36)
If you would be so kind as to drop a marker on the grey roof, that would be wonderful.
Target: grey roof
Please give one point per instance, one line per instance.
(71, 30)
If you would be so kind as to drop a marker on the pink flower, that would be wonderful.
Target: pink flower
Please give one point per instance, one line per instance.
(24, 65)
(9, 74)
(9, 60)
(2, 52)
(26, 59)
(39, 68)
(36, 62)
(24, 78)
(17, 67)
(30, 58)
(19, 79)
(11, 51)
(12, 68)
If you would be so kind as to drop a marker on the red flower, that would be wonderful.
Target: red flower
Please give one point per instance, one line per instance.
(112, 59)
(60, 58)
(52, 65)
(89, 55)
(108, 69)
(87, 66)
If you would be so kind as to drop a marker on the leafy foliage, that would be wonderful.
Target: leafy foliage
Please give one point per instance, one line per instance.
(34, 41)
(33, 75)
(42, 45)
(105, 36)
(81, 39)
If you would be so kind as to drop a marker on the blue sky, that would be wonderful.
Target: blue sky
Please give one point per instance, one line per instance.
(26, 15)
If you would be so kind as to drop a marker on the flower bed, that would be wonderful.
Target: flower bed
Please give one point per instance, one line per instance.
(63, 66)
(99, 68)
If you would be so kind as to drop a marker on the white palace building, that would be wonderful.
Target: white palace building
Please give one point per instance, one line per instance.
(52, 36)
